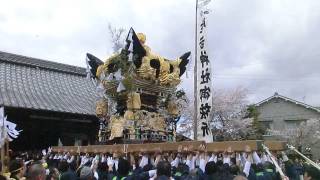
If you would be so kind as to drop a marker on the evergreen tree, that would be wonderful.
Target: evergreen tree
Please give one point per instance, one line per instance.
(257, 126)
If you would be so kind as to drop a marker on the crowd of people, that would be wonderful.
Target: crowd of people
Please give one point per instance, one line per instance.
(191, 165)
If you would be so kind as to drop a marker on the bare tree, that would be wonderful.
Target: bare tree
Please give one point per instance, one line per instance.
(117, 37)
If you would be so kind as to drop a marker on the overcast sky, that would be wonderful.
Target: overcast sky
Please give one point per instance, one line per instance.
(264, 46)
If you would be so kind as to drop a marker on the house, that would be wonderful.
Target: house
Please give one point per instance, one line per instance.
(48, 101)
(281, 114)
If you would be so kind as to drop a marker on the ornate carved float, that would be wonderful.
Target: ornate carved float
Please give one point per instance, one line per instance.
(138, 93)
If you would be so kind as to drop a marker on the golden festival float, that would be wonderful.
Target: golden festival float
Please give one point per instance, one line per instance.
(138, 93)
(139, 104)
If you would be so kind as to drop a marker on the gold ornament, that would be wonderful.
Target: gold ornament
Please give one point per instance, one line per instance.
(99, 71)
(109, 61)
(146, 71)
(157, 122)
(133, 101)
(142, 117)
(116, 126)
(128, 115)
(167, 78)
(172, 108)
(102, 108)
(142, 37)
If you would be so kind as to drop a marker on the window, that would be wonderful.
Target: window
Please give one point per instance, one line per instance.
(292, 124)
(267, 125)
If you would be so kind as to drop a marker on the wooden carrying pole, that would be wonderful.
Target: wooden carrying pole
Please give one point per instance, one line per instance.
(305, 157)
(4, 154)
(2, 161)
(5, 147)
(186, 146)
(273, 160)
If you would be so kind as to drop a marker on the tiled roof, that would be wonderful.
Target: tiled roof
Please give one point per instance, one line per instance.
(43, 85)
(276, 95)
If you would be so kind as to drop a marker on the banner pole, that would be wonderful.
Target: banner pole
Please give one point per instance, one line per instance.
(195, 116)
(4, 144)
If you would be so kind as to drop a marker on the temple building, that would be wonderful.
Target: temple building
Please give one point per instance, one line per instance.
(48, 101)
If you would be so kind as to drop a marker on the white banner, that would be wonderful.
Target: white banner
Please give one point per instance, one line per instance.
(204, 76)
(7, 128)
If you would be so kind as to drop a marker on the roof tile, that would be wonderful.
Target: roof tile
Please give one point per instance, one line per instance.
(37, 84)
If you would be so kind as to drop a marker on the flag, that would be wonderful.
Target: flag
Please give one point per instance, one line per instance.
(44, 152)
(11, 130)
(49, 150)
(92, 66)
(134, 48)
(8, 129)
(60, 143)
(204, 76)
(121, 87)
(118, 75)
(203, 3)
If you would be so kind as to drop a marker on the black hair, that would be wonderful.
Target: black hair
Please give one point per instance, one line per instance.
(234, 169)
(210, 168)
(259, 168)
(51, 173)
(226, 167)
(102, 166)
(63, 166)
(183, 169)
(312, 172)
(254, 167)
(35, 171)
(219, 163)
(164, 169)
(147, 167)
(123, 167)
(15, 166)
(2, 177)
(269, 165)
(73, 166)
